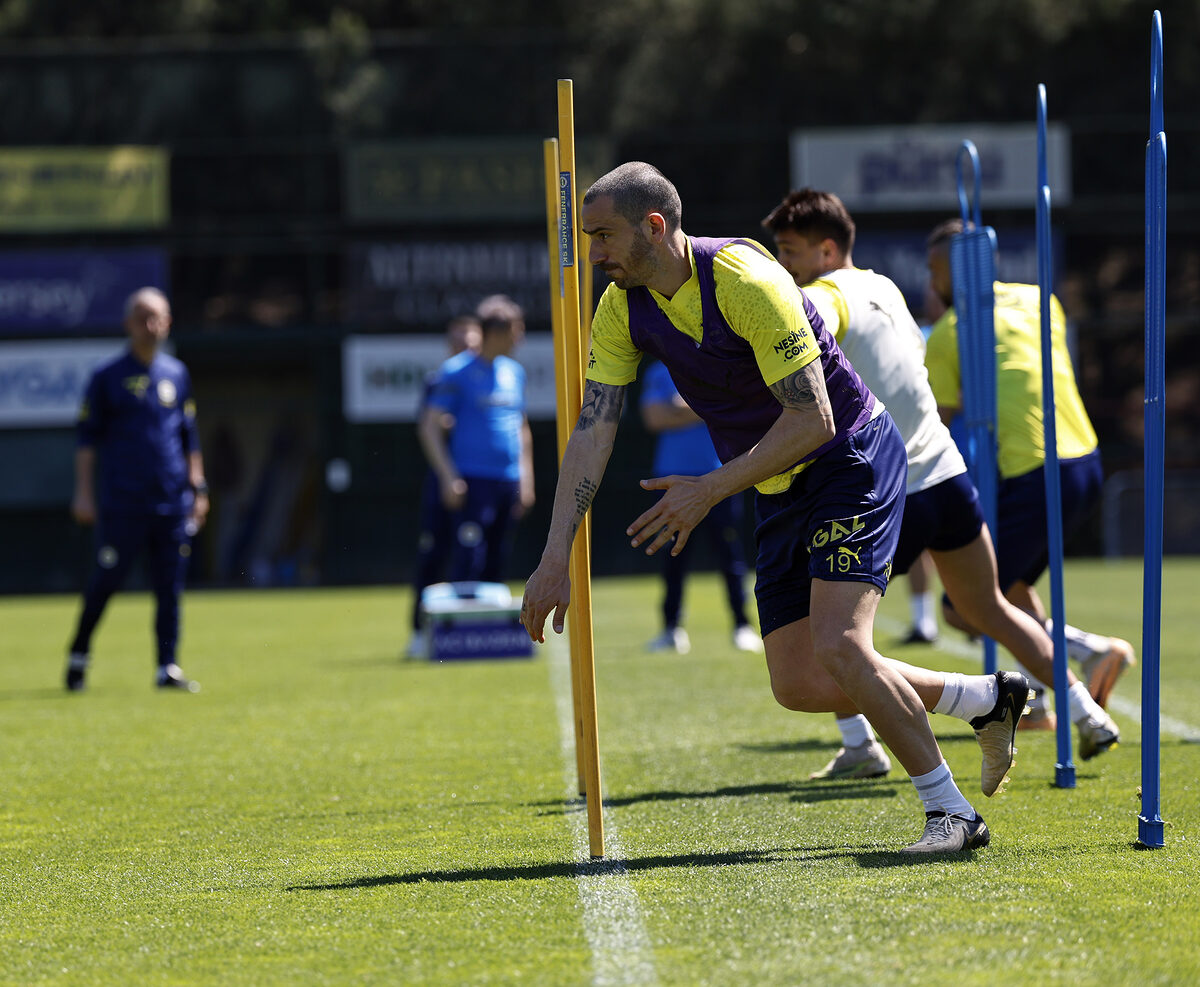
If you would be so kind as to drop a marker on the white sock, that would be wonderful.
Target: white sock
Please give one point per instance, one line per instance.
(1081, 703)
(1081, 645)
(923, 617)
(856, 730)
(967, 696)
(939, 793)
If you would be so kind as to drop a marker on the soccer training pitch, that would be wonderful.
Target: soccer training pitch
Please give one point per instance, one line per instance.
(326, 813)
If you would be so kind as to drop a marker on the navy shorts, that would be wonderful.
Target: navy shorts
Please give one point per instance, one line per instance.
(839, 520)
(1022, 541)
(943, 517)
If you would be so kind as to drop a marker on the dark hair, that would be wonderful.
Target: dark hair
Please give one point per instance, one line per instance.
(810, 211)
(498, 312)
(637, 189)
(943, 232)
(461, 323)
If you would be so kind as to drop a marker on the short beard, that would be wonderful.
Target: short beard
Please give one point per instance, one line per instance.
(641, 264)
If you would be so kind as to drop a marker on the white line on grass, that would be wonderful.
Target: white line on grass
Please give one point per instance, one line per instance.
(1126, 707)
(612, 915)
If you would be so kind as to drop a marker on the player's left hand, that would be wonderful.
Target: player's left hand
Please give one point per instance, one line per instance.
(676, 514)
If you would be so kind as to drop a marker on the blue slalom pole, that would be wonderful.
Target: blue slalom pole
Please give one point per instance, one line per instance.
(1064, 768)
(1150, 823)
(972, 274)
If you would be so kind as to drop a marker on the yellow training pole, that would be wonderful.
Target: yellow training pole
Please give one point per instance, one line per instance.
(563, 418)
(578, 627)
(581, 578)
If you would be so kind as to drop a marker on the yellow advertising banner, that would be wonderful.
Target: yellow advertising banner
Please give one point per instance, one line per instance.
(47, 189)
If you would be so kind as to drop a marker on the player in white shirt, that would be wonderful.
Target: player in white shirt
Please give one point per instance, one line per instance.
(867, 314)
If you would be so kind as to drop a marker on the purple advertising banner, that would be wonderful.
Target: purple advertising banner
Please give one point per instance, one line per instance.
(53, 292)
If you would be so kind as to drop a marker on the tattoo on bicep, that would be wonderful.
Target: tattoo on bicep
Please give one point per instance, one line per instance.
(601, 403)
(801, 389)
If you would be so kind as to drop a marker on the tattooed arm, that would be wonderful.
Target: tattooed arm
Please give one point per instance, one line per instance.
(805, 424)
(583, 465)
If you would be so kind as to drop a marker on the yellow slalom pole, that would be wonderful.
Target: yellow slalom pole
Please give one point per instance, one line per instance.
(581, 578)
(578, 627)
(563, 418)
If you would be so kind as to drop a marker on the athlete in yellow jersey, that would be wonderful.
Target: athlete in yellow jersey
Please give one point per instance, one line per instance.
(788, 415)
(760, 309)
(1022, 550)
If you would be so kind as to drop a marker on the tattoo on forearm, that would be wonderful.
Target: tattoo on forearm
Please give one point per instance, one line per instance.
(601, 403)
(584, 493)
(801, 389)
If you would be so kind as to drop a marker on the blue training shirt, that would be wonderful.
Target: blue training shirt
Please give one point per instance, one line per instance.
(679, 451)
(142, 423)
(487, 401)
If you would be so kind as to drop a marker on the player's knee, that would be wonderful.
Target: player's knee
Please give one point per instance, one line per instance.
(793, 695)
(838, 652)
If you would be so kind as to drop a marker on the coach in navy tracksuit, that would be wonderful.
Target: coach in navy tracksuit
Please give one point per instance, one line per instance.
(139, 477)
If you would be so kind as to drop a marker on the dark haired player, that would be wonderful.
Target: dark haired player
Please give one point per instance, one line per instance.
(789, 416)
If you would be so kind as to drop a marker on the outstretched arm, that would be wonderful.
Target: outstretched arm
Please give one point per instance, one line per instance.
(549, 588)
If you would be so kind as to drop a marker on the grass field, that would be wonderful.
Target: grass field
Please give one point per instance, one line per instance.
(325, 813)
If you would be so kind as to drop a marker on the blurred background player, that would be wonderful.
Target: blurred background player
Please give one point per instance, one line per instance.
(684, 448)
(1022, 550)
(484, 465)
(463, 333)
(924, 629)
(868, 316)
(139, 477)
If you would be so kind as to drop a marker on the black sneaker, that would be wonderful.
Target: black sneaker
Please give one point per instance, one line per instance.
(918, 636)
(950, 834)
(172, 677)
(77, 664)
(997, 730)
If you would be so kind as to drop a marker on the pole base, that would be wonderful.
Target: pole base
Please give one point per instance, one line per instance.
(1150, 832)
(1064, 775)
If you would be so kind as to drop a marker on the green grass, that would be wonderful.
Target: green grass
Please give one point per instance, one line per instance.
(325, 813)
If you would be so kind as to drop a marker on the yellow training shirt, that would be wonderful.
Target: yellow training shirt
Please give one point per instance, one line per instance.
(1019, 439)
(760, 302)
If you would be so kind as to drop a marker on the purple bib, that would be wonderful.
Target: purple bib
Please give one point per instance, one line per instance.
(719, 376)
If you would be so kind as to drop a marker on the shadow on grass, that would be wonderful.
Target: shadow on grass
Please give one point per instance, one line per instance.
(791, 746)
(800, 791)
(811, 744)
(402, 663)
(864, 856)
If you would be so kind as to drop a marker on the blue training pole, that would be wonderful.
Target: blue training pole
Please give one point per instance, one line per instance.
(1150, 824)
(972, 274)
(1064, 768)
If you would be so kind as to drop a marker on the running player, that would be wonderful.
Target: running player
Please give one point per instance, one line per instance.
(1022, 549)
(814, 236)
(789, 416)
